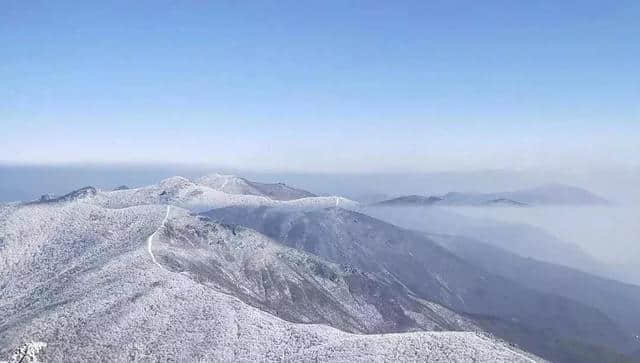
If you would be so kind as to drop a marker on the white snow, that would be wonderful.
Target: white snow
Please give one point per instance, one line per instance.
(152, 236)
(28, 353)
(184, 193)
(79, 277)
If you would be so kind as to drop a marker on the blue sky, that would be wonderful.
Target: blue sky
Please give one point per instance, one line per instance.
(322, 85)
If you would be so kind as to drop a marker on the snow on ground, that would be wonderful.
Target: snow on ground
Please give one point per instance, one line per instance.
(185, 193)
(79, 278)
(236, 185)
(31, 352)
(230, 184)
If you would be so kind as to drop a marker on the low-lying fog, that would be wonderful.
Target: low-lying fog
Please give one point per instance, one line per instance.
(610, 233)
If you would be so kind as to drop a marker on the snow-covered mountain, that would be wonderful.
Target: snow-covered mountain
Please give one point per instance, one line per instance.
(550, 194)
(550, 325)
(135, 273)
(236, 185)
(93, 276)
(182, 192)
(293, 284)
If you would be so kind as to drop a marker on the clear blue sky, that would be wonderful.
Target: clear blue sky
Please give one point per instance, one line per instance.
(322, 85)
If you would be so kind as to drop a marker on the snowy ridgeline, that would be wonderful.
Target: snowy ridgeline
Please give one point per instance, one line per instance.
(117, 276)
(205, 194)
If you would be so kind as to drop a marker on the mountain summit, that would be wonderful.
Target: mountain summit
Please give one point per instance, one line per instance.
(236, 185)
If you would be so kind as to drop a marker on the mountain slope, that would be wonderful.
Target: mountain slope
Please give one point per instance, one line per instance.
(537, 321)
(95, 283)
(235, 185)
(521, 239)
(618, 300)
(290, 283)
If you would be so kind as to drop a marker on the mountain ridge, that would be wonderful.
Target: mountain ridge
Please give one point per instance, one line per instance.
(81, 278)
(237, 185)
(183, 192)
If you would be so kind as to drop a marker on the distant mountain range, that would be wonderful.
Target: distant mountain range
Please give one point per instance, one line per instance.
(550, 194)
(236, 185)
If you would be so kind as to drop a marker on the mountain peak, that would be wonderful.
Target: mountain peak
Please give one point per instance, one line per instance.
(78, 194)
(237, 185)
(175, 180)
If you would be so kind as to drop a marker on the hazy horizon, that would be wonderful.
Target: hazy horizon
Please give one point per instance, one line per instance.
(618, 186)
